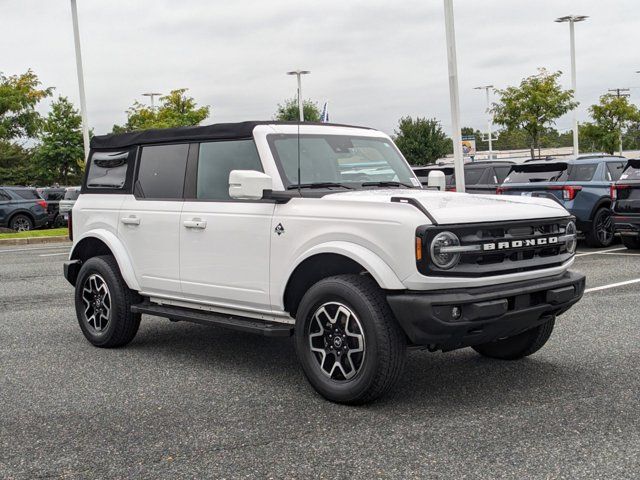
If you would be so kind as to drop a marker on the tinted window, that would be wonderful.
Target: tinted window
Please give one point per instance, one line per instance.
(501, 173)
(472, 176)
(4, 196)
(614, 170)
(533, 173)
(53, 195)
(581, 172)
(161, 172)
(108, 170)
(28, 194)
(72, 194)
(215, 162)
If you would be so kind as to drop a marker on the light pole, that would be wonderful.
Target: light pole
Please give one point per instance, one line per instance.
(573, 19)
(151, 95)
(299, 73)
(83, 100)
(489, 133)
(458, 162)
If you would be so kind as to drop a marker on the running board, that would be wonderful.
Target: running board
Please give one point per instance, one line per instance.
(250, 325)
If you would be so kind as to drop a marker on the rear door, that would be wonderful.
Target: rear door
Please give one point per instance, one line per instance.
(628, 190)
(149, 220)
(224, 243)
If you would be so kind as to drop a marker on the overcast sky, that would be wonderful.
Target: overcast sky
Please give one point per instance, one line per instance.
(374, 61)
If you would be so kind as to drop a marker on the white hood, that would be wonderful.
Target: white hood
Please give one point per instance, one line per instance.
(451, 207)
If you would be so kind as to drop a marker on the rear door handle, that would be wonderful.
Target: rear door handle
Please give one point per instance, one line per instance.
(130, 220)
(195, 223)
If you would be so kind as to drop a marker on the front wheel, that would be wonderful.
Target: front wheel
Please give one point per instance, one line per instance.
(632, 243)
(518, 346)
(602, 229)
(350, 346)
(103, 304)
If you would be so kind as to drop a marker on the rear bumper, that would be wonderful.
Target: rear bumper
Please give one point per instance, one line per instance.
(487, 313)
(627, 224)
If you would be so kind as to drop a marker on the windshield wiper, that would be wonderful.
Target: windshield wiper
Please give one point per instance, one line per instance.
(388, 183)
(318, 185)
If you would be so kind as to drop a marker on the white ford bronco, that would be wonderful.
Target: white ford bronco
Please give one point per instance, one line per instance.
(318, 231)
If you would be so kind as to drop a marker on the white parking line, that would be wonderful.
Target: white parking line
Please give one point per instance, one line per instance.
(600, 252)
(622, 253)
(52, 254)
(612, 285)
(34, 249)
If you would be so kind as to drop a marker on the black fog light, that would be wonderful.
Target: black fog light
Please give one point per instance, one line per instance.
(456, 312)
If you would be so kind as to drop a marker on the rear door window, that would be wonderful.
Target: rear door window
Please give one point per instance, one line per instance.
(161, 172)
(582, 172)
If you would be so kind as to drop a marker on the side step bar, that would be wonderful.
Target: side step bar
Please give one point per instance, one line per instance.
(250, 325)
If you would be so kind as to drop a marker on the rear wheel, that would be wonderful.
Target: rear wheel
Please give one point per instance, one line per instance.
(351, 348)
(21, 223)
(103, 304)
(518, 346)
(602, 229)
(632, 243)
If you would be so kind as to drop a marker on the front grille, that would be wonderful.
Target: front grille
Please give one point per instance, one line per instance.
(508, 247)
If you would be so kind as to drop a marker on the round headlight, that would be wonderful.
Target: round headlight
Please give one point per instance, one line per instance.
(439, 255)
(572, 237)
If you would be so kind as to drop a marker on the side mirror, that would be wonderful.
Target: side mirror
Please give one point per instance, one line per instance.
(437, 180)
(248, 184)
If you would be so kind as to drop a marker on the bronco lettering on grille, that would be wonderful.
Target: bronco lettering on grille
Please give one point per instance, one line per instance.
(530, 242)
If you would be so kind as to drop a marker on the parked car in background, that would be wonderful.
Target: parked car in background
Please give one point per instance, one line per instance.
(53, 195)
(581, 185)
(479, 177)
(22, 208)
(66, 204)
(626, 205)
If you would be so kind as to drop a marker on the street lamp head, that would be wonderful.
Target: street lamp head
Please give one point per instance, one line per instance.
(151, 94)
(298, 72)
(484, 87)
(571, 18)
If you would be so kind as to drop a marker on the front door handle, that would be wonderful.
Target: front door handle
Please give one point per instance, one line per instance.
(195, 223)
(130, 220)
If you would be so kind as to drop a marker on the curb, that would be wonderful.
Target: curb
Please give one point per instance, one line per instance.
(33, 240)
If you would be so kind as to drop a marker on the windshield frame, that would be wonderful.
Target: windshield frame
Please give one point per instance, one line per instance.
(348, 185)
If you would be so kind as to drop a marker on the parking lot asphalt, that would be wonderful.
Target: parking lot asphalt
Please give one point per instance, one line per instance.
(187, 401)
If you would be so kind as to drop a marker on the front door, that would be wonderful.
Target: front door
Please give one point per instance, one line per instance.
(225, 243)
(149, 220)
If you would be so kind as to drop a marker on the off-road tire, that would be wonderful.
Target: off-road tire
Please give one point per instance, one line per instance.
(595, 237)
(21, 220)
(385, 344)
(632, 243)
(122, 325)
(518, 346)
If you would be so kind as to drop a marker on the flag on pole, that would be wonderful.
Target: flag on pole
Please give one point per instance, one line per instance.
(324, 117)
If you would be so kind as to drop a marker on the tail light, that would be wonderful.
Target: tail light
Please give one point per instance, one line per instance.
(450, 188)
(43, 204)
(569, 192)
(499, 191)
(70, 225)
(613, 190)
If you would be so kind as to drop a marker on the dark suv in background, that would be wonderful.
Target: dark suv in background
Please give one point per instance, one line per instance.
(626, 205)
(581, 185)
(53, 195)
(479, 177)
(22, 208)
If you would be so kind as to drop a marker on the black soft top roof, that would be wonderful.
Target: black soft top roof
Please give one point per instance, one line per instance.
(217, 131)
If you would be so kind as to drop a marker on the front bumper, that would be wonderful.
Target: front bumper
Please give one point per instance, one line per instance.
(486, 313)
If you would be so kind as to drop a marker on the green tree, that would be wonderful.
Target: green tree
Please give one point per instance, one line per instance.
(421, 141)
(16, 167)
(612, 117)
(533, 106)
(175, 110)
(289, 112)
(19, 96)
(60, 156)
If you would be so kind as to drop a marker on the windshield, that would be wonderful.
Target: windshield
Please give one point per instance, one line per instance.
(72, 194)
(340, 160)
(551, 172)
